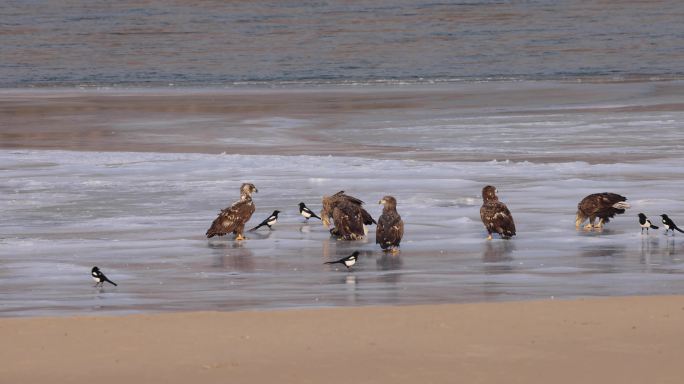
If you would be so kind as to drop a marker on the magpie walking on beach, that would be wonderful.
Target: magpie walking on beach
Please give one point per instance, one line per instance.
(670, 225)
(269, 221)
(347, 261)
(306, 212)
(645, 223)
(100, 277)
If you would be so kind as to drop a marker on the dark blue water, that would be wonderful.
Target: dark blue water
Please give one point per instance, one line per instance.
(215, 43)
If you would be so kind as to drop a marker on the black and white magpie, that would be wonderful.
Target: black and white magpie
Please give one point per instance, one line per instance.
(269, 221)
(645, 223)
(306, 212)
(670, 225)
(347, 261)
(100, 278)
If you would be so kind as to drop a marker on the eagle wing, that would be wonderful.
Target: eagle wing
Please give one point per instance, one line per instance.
(348, 221)
(604, 205)
(497, 218)
(389, 230)
(232, 219)
(349, 202)
(367, 218)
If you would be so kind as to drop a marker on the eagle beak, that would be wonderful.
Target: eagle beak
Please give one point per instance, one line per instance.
(381, 202)
(256, 190)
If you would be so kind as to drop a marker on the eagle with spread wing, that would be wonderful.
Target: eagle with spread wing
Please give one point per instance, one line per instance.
(234, 218)
(495, 215)
(390, 228)
(602, 205)
(347, 214)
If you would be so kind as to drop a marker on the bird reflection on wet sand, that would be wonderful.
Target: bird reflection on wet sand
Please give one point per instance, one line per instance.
(234, 256)
(604, 251)
(388, 261)
(495, 252)
(498, 251)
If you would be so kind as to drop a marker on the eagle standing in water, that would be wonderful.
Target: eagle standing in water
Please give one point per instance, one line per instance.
(347, 214)
(602, 205)
(234, 218)
(390, 227)
(495, 215)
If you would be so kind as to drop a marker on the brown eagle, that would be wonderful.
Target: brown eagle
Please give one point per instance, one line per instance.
(234, 218)
(347, 214)
(495, 215)
(602, 205)
(390, 227)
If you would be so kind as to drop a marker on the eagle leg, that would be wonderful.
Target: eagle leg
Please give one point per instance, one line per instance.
(239, 237)
(600, 224)
(489, 236)
(590, 224)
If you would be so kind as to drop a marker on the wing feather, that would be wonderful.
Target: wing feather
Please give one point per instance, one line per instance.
(232, 219)
(347, 214)
(603, 205)
(389, 230)
(497, 218)
(348, 221)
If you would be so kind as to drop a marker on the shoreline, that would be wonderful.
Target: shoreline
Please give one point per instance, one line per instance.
(623, 339)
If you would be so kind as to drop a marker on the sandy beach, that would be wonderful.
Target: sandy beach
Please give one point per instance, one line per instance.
(126, 126)
(614, 340)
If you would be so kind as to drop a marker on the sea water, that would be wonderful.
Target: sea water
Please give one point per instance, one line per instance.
(200, 42)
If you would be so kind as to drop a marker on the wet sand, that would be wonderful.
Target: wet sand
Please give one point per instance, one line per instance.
(338, 121)
(616, 340)
(141, 216)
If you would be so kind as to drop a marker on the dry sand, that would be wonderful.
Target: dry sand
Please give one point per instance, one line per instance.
(608, 340)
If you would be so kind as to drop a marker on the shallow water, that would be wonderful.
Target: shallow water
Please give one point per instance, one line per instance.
(141, 217)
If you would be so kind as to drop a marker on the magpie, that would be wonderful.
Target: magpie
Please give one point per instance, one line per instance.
(100, 278)
(669, 225)
(268, 221)
(645, 223)
(306, 212)
(347, 261)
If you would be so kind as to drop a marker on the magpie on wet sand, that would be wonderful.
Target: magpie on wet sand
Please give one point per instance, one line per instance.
(644, 222)
(306, 212)
(100, 277)
(269, 221)
(348, 261)
(670, 225)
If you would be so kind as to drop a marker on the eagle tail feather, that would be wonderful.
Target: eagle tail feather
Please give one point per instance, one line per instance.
(621, 205)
